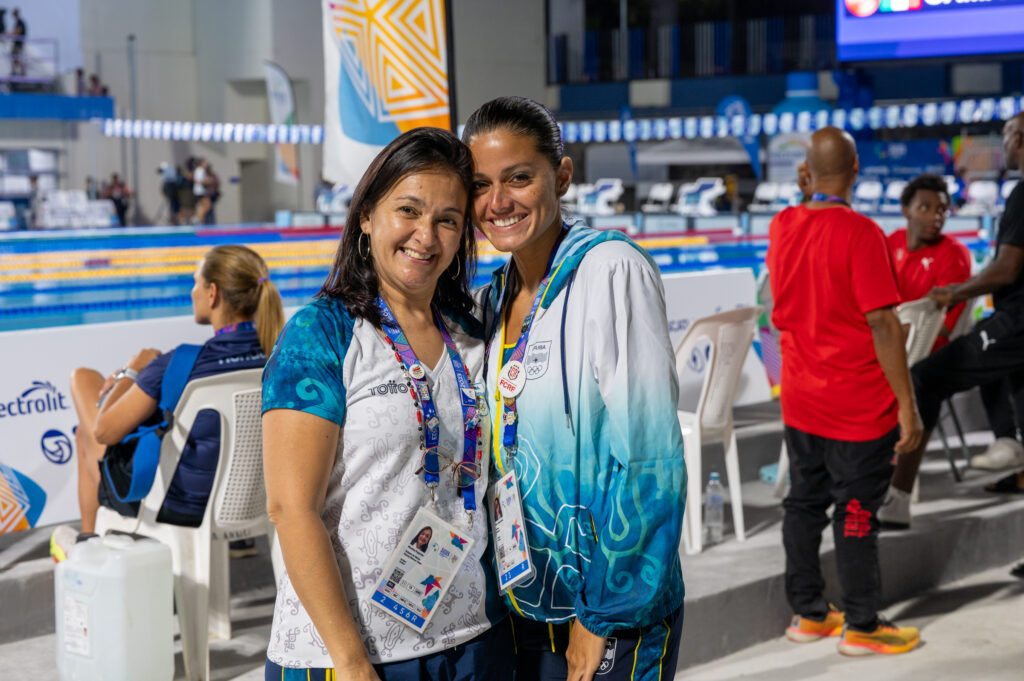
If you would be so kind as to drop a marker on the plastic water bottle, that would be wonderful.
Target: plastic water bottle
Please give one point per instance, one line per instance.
(714, 508)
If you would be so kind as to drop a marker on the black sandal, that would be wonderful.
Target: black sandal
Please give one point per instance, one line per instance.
(1005, 485)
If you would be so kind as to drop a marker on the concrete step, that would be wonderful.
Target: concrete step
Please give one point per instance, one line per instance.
(970, 629)
(735, 595)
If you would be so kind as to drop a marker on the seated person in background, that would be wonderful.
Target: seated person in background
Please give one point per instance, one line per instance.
(922, 257)
(233, 294)
(994, 349)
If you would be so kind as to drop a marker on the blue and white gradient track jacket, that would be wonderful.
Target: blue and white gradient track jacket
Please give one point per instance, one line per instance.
(600, 454)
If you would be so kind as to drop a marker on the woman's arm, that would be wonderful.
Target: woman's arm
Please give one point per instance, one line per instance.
(126, 406)
(298, 454)
(634, 574)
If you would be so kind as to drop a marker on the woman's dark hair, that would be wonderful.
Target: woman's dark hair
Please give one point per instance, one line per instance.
(927, 182)
(520, 116)
(352, 278)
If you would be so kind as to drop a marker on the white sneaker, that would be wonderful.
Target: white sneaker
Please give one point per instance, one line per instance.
(1005, 452)
(894, 513)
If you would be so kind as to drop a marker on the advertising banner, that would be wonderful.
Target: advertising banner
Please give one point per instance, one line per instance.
(785, 153)
(385, 72)
(692, 295)
(904, 160)
(282, 112)
(38, 470)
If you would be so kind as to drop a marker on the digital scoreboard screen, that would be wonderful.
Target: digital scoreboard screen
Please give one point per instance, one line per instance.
(913, 29)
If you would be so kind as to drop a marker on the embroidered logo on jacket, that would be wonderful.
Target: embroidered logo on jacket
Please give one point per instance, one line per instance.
(537, 356)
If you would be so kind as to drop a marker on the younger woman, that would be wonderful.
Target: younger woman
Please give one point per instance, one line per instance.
(582, 386)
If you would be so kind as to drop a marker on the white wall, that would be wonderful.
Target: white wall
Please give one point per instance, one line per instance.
(499, 50)
(202, 60)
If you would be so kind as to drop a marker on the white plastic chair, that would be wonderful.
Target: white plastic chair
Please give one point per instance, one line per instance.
(237, 509)
(764, 197)
(925, 319)
(891, 198)
(788, 194)
(658, 198)
(1004, 193)
(866, 196)
(715, 346)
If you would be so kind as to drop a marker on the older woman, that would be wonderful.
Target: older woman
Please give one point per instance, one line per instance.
(373, 442)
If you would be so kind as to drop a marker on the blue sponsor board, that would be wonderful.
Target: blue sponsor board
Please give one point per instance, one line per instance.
(905, 160)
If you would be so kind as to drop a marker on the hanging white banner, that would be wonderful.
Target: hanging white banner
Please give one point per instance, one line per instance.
(282, 112)
(385, 72)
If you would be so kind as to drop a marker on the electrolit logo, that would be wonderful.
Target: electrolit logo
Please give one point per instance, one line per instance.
(56, 446)
(40, 398)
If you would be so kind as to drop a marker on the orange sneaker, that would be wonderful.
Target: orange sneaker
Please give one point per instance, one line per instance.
(804, 630)
(886, 639)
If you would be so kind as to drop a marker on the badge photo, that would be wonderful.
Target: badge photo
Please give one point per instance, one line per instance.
(421, 569)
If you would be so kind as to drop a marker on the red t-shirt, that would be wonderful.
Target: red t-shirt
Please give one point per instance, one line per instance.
(918, 272)
(829, 267)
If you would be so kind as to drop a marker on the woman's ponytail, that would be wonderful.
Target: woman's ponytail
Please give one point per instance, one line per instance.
(243, 279)
(269, 316)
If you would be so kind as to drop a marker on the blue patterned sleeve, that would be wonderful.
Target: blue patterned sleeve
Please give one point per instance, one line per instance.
(634, 577)
(304, 373)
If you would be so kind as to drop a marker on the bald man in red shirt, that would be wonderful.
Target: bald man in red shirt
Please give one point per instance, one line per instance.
(847, 401)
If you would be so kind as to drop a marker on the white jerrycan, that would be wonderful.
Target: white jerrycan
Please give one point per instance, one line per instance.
(114, 601)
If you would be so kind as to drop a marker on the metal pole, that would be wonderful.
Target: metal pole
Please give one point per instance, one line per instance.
(132, 94)
(623, 40)
(449, 23)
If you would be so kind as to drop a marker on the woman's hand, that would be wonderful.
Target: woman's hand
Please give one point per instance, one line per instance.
(107, 385)
(584, 653)
(142, 358)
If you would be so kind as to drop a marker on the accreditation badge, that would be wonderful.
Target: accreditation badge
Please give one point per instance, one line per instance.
(508, 531)
(421, 569)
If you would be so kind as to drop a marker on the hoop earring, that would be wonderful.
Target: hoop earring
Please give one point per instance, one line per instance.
(359, 245)
(458, 270)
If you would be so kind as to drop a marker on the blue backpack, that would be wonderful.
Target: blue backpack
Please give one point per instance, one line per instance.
(130, 465)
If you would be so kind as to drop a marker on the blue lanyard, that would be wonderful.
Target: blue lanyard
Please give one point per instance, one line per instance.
(509, 414)
(431, 423)
(829, 198)
(240, 326)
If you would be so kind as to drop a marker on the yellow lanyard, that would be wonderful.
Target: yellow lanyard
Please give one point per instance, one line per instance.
(498, 423)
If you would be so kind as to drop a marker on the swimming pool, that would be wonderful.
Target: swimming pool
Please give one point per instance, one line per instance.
(80, 277)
